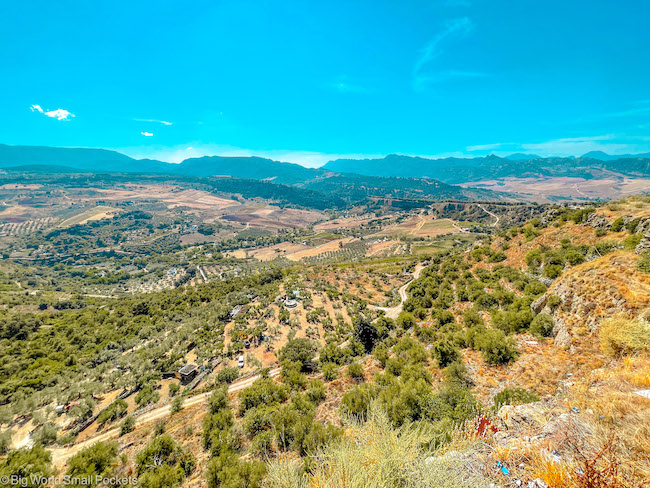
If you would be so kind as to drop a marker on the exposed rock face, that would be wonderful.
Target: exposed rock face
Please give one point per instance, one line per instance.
(593, 291)
(644, 245)
(598, 221)
(540, 421)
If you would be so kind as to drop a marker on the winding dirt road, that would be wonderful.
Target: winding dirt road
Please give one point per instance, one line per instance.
(393, 312)
(494, 224)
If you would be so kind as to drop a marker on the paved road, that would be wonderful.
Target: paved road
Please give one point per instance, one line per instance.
(61, 455)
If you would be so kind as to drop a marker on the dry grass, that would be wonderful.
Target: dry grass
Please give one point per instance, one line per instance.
(374, 455)
(621, 335)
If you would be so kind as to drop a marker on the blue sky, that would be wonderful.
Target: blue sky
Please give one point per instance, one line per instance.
(308, 81)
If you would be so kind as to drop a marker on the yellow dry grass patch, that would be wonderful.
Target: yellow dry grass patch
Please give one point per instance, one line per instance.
(331, 246)
(96, 213)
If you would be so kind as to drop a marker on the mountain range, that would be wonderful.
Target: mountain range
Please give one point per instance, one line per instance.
(394, 175)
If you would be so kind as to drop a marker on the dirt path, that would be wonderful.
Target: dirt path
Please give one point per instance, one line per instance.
(61, 455)
(393, 312)
(494, 224)
(419, 225)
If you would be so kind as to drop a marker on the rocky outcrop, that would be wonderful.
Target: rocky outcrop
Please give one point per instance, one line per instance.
(598, 221)
(538, 422)
(593, 291)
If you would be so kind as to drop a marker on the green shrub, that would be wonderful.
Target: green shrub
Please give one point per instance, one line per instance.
(228, 470)
(174, 388)
(631, 241)
(405, 320)
(301, 351)
(45, 434)
(228, 375)
(496, 347)
(163, 462)
(512, 322)
(445, 353)
(542, 325)
(177, 405)
(618, 225)
(553, 270)
(97, 460)
(644, 263)
(114, 411)
(128, 424)
(355, 371)
(513, 396)
(316, 392)
(262, 443)
(5, 442)
(330, 371)
(264, 391)
(257, 420)
(356, 401)
(28, 464)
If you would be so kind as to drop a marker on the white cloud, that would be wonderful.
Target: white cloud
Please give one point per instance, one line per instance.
(486, 147)
(454, 28)
(570, 146)
(146, 134)
(58, 114)
(163, 122)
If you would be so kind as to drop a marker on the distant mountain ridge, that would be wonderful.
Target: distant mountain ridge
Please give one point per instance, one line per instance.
(331, 184)
(394, 176)
(467, 170)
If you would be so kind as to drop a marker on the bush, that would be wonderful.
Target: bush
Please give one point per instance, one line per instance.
(28, 464)
(355, 371)
(630, 242)
(330, 371)
(644, 263)
(257, 420)
(174, 388)
(96, 460)
(405, 320)
(496, 347)
(177, 405)
(264, 391)
(316, 392)
(542, 325)
(445, 353)
(618, 225)
(127, 425)
(379, 455)
(512, 322)
(163, 462)
(262, 443)
(553, 270)
(621, 336)
(229, 471)
(46, 434)
(5, 442)
(228, 375)
(301, 351)
(292, 377)
(513, 396)
(114, 411)
(356, 402)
